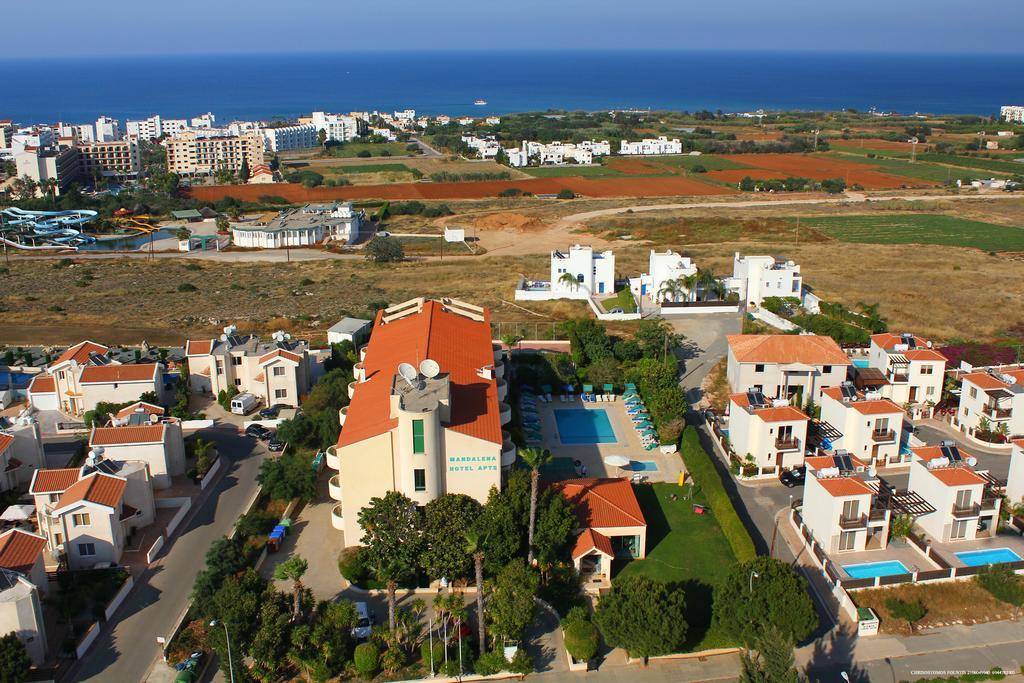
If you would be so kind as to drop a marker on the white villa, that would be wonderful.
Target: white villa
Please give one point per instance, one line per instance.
(993, 397)
(841, 507)
(304, 227)
(757, 277)
(865, 425)
(912, 372)
(965, 500)
(772, 432)
(661, 268)
(784, 365)
(591, 273)
(660, 145)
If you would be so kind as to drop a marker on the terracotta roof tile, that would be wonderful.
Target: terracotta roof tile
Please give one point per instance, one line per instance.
(923, 354)
(198, 347)
(839, 487)
(962, 475)
(105, 374)
(99, 488)
(19, 550)
(770, 414)
(601, 503)
(984, 380)
(116, 436)
(592, 540)
(53, 481)
(140, 407)
(42, 384)
(888, 340)
(460, 346)
(280, 353)
(5, 441)
(811, 349)
(820, 462)
(80, 352)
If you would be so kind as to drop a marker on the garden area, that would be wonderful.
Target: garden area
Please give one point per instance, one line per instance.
(834, 320)
(623, 299)
(81, 598)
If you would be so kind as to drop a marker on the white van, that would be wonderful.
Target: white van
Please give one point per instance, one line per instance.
(364, 626)
(243, 404)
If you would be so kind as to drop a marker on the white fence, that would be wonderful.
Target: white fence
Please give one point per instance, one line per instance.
(118, 599)
(602, 315)
(154, 550)
(87, 640)
(212, 473)
(269, 424)
(184, 503)
(773, 320)
(668, 311)
(189, 425)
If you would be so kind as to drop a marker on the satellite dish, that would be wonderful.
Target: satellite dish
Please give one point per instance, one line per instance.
(972, 461)
(429, 368)
(408, 372)
(872, 471)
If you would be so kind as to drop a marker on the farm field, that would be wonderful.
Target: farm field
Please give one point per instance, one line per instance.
(595, 171)
(376, 149)
(919, 229)
(919, 170)
(873, 144)
(814, 166)
(998, 165)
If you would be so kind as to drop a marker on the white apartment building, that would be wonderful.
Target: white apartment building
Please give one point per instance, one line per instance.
(1015, 478)
(1012, 113)
(48, 163)
(757, 277)
(83, 132)
(207, 120)
(772, 432)
(423, 432)
(385, 133)
(406, 115)
(291, 137)
(108, 129)
(39, 137)
(965, 500)
(303, 227)
(148, 129)
(553, 153)
(841, 506)
(159, 444)
(661, 267)
(7, 130)
(913, 372)
(786, 366)
(864, 425)
(993, 397)
(193, 154)
(661, 145)
(338, 127)
(487, 147)
(492, 120)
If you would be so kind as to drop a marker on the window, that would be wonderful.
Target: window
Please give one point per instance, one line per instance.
(279, 372)
(929, 391)
(54, 497)
(58, 538)
(960, 528)
(81, 519)
(419, 480)
(417, 436)
(826, 369)
(236, 360)
(927, 369)
(847, 540)
(759, 367)
(86, 549)
(851, 509)
(973, 392)
(963, 498)
(280, 393)
(238, 382)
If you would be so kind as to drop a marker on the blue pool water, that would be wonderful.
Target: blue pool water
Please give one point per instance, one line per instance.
(981, 558)
(643, 466)
(16, 378)
(578, 425)
(870, 570)
(861, 363)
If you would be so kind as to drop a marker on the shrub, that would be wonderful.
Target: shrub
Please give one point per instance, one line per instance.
(352, 566)
(306, 282)
(910, 612)
(510, 192)
(187, 287)
(367, 660)
(364, 154)
(193, 266)
(566, 193)
(521, 663)
(256, 523)
(384, 249)
(581, 640)
(425, 654)
(699, 169)
(54, 308)
(704, 474)
(1003, 584)
(63, 263)
(490, 663)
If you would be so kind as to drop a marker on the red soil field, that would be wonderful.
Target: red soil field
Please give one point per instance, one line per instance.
(735, 175)
(636, 166)
(671, 186)
(882, 145)
(822, 168)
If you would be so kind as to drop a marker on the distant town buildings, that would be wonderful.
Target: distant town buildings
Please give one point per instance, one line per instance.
(660, 145)
(303, 227)
(1012, 113)
(338, 127)
(302, 136)
(192, 154)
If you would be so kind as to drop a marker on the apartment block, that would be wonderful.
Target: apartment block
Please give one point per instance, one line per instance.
(49, 163)
(159, 444)
(291, 137)
(119, 159)
(1012, 113)
(661, 267)
(337, 126)
(191, 153)
(659, 145)
(108, 129)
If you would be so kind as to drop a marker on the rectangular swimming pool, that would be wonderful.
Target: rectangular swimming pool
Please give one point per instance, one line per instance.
(581, 425)
(860, 363)
(870, 570)
(982, 558)
(643, 466)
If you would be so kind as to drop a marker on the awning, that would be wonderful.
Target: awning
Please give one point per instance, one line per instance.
(992, 481)
(902, 502)
(869, 377)
(824, 430)
(899, 360)
(999, 394)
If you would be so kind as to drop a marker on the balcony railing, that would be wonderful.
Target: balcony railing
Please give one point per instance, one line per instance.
(333, 461)
(998, 413)
(883, 435)
(337, 517)
(853, 522)
(877, 514)
(989, 502)
(966, 512)
(505, 410)
(899, 378)
(787, 444)
(334, 487)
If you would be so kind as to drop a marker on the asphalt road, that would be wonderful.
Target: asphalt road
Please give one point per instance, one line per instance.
(127, 651)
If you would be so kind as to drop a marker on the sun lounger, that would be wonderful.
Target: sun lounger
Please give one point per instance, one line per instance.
(549, 398)
(585, 398)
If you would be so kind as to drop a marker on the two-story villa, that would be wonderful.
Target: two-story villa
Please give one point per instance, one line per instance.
(913, 371)
(841, 505)
(966, 501)
(792, 367)
(772, 433)
(865, 425)
(992, 400)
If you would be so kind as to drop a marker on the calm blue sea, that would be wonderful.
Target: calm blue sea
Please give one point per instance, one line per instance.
(263, 86)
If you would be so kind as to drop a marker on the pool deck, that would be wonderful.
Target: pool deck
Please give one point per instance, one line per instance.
(909, 556)
(1004, 540)
(628, 443)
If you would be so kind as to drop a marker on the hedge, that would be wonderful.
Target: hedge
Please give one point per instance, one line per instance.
(698, 464)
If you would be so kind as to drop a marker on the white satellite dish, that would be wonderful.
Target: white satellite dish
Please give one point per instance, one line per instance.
(872, 471)
(972, 461)
(408, 373)
(429, 368)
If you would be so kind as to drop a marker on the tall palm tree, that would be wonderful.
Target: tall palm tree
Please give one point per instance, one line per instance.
(671, 289)
(49, 186)
(475, 547)
(706, 281)
(535, 458)
(719, 288)
(689, 282)
(292, 569)
(569, 280)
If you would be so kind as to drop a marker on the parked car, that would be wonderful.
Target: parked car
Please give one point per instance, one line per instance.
(273, 411)
(364, 626)
(793, 477)
(258, 432)
(275, 444)
(383, 233)
(244, 403)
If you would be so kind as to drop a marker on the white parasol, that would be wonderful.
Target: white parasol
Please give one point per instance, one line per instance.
(18, 513)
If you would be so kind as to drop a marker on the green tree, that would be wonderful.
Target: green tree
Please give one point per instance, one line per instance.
(237, 606)
(445, 520)
(762, 594)
(747, 184)
(581, 639)
(321, 136)
(223, 224)
(292, 570)
(272, 638)
(556, 522)
(772, 663)
(511, 603)
(384, 250)
(503, 522)
(672, 290)
(243, 171)
(535, 458)
(475, 548)
(367, 660)
(288, 476)
(392, 538)
(182, 234)
(322, 647)
(224, 559)
(643, 616)
(14, 660)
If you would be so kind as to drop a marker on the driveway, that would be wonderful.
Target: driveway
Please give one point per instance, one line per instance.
(703, 347)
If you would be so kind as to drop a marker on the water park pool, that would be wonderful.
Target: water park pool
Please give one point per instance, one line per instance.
(870, 570)
(579, 425)
(643, 466)
(982, 558)
(860, 363)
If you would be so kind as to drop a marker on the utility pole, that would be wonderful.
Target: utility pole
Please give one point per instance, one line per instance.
(913, 148)
(817, 131)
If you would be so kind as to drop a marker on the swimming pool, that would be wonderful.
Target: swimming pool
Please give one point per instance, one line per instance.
(18, 379)
(982, 558)
(860, 363)
(870, 570)
(643, 466)
(580, 425)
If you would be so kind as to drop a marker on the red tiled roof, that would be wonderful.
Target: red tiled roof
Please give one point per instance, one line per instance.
(811, 349)
(879, 406)
(19, 550)
(923, 354)
(116, 436)
(105, 374)
(259, 378)
(99, 488)
(42, 384)
(592, 540)
(840, 487)
(962, 475)
(602, 503)
(280, 353)
(888, 340)
(198, 347)
(53, 481)
(984, 380)
(5, 441)
(141, 407)
(80, 352)
(772, 414)
(460, 346)
(820, 462)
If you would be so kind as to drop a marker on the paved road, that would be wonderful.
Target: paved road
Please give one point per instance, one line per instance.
(127, 652)
(428, 151)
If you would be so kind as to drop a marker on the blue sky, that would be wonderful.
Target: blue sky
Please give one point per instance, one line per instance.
(210, 26)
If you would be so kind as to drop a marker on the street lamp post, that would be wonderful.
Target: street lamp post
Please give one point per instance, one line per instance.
(753, 575)
(227, 638)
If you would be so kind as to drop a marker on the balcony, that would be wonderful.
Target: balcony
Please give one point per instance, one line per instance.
(342, 415)
(362, 354)
(883, 436)
(853, 522)
(505, 411)
(498, 353)
(334, 487)
(499, 370)
(898, 378)
(878, 515)
(966, 512)
(359, 371)
(989, 502)
(337, 518)
(351, 389)
(787, 444)
(502, 389)
(508, 454)
(333, 461)
(998, 413)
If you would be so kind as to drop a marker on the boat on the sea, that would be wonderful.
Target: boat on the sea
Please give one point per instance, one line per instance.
(480, 103)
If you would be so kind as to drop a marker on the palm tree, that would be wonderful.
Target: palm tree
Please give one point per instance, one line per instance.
(511, 340)
(292, 569)
(569, 280)
(475, 547)
(689, 282)
(49, 186)
(706, 281)
(671, 289)
(719, 288)
(535, 458)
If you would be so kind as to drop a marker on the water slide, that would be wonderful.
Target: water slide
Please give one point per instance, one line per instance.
(56, 229)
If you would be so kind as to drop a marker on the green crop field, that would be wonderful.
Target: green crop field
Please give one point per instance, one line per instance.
(919, 229)
(594, 171)
(376, 149)
(373, 168)
(687, 161)
(920, 170)
(1008, 166)
(850, 147)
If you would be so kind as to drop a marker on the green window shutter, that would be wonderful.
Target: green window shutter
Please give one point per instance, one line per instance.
(417, 436)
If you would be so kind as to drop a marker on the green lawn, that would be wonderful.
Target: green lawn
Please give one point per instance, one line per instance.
(623, 299)
(352, 149)
(684, 548)
(372, 168)
(594, 171)
(920, 229)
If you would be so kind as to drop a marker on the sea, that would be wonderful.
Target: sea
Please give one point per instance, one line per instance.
(264, 86)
